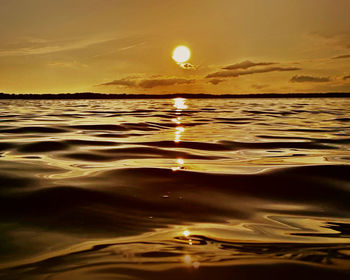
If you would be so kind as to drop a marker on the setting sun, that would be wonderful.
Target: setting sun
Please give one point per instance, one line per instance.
(181, 54)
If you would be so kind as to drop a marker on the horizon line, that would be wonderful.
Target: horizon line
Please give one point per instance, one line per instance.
(95, 95)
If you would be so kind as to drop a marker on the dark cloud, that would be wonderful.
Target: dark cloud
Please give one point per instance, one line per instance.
(150, 83)
(187, 66)
(256, 86)
(342, 56)
(121, 82)
(236, 73)
(346, 77)
(246, 64)
(147, 83)
(340, 40)
(216, 81)
(305, 79)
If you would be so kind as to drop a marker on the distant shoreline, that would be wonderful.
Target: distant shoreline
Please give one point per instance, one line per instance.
(91, 95)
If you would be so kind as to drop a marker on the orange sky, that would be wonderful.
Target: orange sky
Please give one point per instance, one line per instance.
(125, 46)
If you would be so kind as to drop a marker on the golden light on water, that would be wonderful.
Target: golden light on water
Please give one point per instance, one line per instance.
(181, 54)
(196, 264)
(178, 132)
(180, 129)
(177, 120)
(180, 103)
(188, 261)
(180, 161)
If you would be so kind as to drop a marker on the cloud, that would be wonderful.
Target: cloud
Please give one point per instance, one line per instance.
(68, 64)
(121, 49)
(342, 56)
(236, 73)
(30, 46)
(148, 83)
(246, 64)
(337, 40)
(187, 66)
(256, 86)
(121, 82)
(305, 79)
(346, 77)
(216, 81)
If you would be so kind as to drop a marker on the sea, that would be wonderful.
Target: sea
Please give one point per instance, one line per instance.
(175, 189)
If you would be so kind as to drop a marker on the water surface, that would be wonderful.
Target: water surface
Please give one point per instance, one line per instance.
(175, 189)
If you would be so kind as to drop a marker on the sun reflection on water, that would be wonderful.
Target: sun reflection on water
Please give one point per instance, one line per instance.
(178, 133)
(177, 120)
(188, 261)
(180, 162)
(179, 103)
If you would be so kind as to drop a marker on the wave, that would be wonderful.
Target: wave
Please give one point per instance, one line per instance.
(152, 190)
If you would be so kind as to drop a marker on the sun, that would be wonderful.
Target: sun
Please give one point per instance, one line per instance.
(181, 54)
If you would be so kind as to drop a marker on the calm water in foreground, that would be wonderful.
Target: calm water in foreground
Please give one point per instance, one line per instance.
(175, 189)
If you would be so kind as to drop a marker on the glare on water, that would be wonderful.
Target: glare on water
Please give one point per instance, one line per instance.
(180, 182)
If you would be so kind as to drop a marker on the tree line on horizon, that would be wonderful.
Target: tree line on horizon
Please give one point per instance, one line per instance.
(93, 95)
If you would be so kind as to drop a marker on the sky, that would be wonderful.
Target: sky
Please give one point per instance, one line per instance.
(125, 46)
